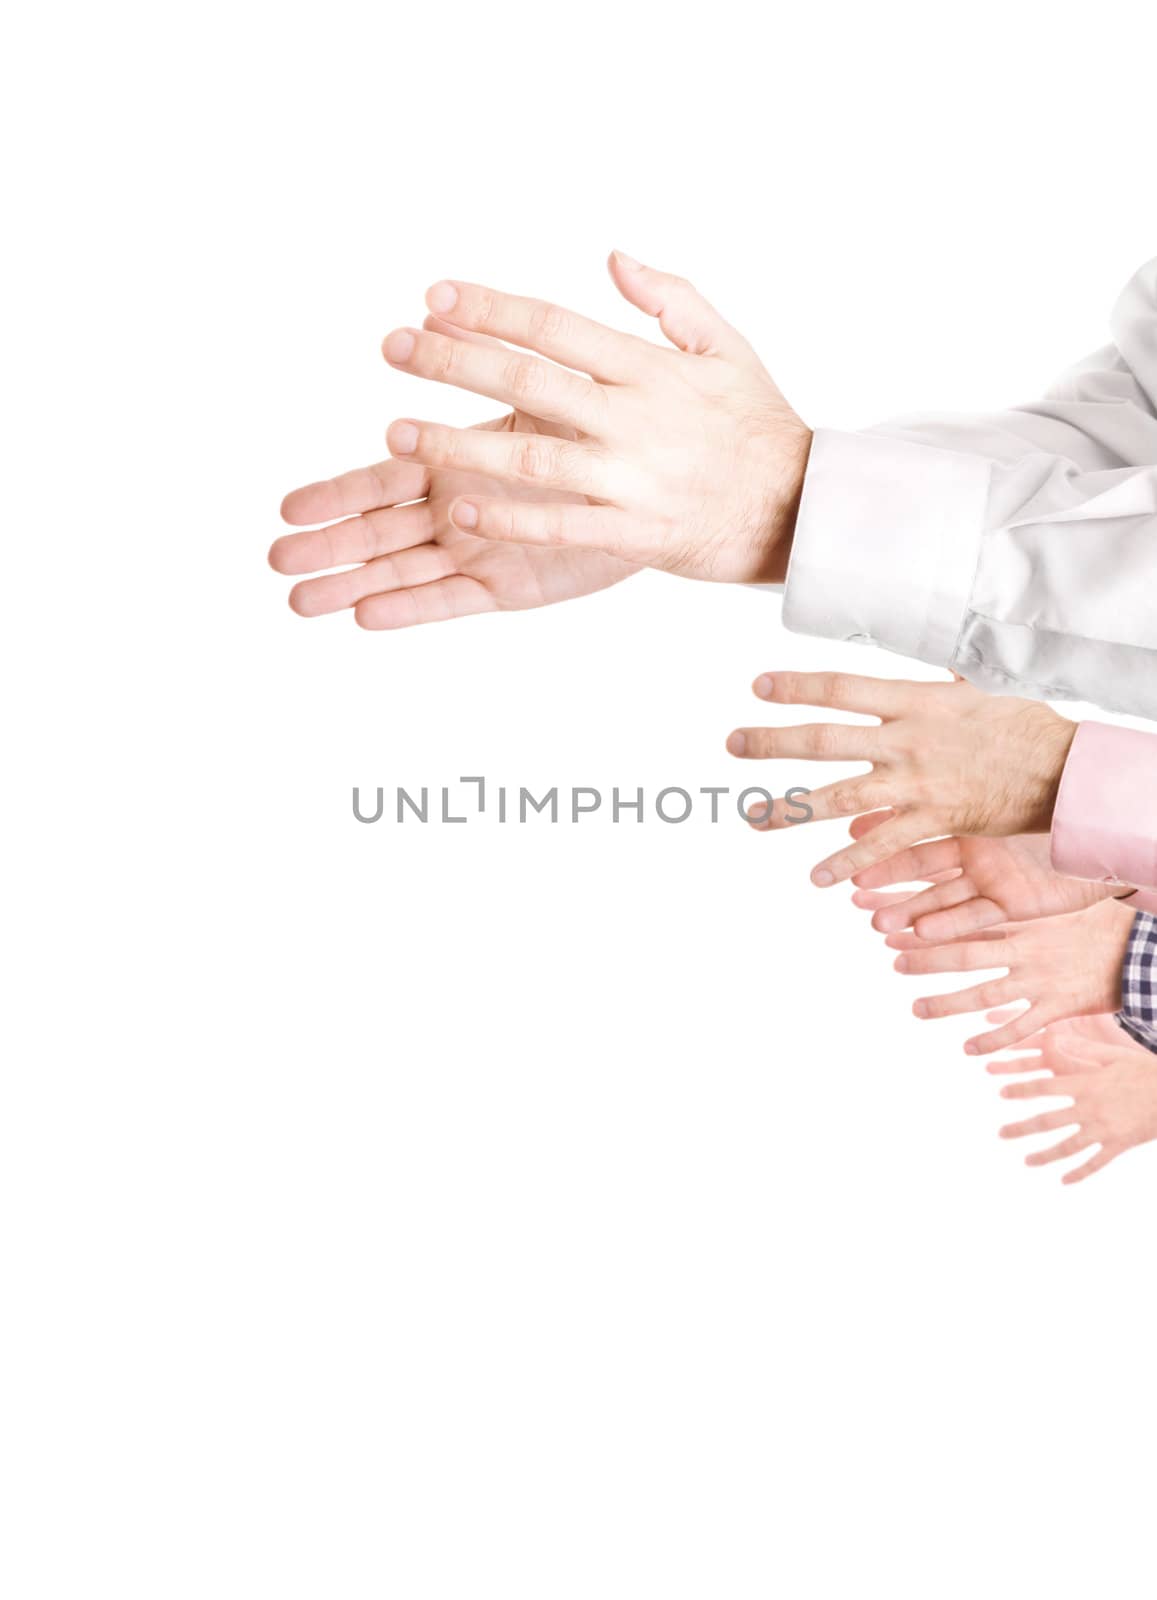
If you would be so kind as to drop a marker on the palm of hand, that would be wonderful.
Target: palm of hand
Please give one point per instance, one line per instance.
(1109, 1081)
(1015, 876)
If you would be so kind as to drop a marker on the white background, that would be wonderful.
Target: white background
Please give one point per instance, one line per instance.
(538, 1212)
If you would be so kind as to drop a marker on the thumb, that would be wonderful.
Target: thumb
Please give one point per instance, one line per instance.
(684, 316)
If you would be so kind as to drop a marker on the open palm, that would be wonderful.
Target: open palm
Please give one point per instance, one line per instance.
(1108, 1080)
(974, 883)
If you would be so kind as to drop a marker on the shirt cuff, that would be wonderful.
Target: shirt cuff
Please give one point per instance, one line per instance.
(886, 543)
(1105, 819)
(1138, 1013)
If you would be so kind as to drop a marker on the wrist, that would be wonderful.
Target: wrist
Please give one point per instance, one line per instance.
(1053, 743)
(1113, 926)
(792, 440)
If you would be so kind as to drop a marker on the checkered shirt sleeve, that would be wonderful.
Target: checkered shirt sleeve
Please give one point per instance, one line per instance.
(1138, 1013)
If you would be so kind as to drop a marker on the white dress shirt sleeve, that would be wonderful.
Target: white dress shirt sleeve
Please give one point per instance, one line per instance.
(1018, 549)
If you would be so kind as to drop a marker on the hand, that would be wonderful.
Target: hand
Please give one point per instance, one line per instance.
(415, 566)
(946, 759)
(1109, 1081)
(975, 884)
(688, 459)
(1066, 966)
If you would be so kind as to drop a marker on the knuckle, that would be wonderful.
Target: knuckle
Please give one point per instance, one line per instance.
(837, 688)
(445, 357)
(533, 460)
(845, 800)
(485, 306)
(554, 524)
(822, 740)
(363, 541)
(547, 323)
(525, 378)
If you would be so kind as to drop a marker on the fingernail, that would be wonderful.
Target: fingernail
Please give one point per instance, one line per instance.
(464, 514)
(758, 815)
(901, 964)
(736, 744)
(442, 297)
(400, 345)
(920, 1009)
(764, 685)
(821, 877)
(402, 438)
(972, 1048)
(628, 261)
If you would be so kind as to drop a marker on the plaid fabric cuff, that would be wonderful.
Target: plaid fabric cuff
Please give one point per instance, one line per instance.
(1138, 1013)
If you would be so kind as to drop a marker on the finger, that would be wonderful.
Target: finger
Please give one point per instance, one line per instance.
(960, 922)
(549, 329)
(1094, 1164)
(387, 483)
(836, 800)
(686, 318)
(814, 742)
(903, 939)
(978, 998)
(880, 899)
(937, 898)
(839, 691)
(1009, 1065)
(523, 458)
(375, 533)
(1029, 1056)
(882, 842)
(859, 826)
(1071, 1146)
(519, 380)
(1047, 1122)
(437, 325)
(907, 939)
(1012, 1034)
(918, 865)
(1004, 1014)
(441, 601)
(969, 955)
(1039, 1088)
(340, 590)
(561, 523)
(1037, 1052)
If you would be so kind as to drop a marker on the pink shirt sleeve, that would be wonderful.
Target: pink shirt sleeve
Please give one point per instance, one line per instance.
(1105, 821)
